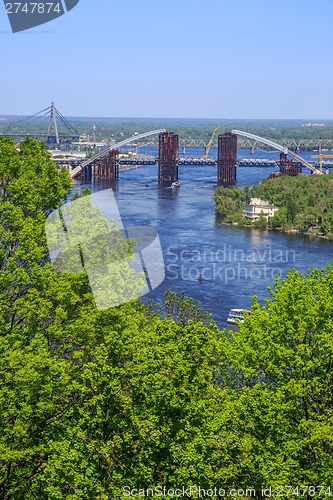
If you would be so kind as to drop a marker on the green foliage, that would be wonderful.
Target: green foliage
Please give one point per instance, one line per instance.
(307, 199)
(38, 310)
(96, 243)
(305, 203)
(262, 221)
(92, 401)
(182, 309)
(280, 219)
(229, 202)
(229, 205)
(188, 129)
(280, 364)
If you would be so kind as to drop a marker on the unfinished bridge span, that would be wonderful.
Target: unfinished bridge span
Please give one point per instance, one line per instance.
(278, 147)
(105, 164)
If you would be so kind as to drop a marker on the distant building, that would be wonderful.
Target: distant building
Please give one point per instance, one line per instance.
(313, 124)
(256, 207)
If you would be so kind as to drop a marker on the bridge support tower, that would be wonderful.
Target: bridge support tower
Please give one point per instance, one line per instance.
(85, 174)
(107, 168)
(167, 158)
(227, 158)
(289, 167)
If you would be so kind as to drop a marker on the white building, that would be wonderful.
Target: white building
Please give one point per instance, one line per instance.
(256, 207)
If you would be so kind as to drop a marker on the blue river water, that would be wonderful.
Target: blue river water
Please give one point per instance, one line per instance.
(235, 263)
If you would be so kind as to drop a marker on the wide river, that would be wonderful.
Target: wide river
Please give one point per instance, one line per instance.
(235, 263)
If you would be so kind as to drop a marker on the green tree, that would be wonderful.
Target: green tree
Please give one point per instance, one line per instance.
(305, 220)
(280, 219)
(262, 221)
(247, 193)
(280, 365)
(92, 400)
(37, 309)
(291, 210)
(95, 400)
(229, 203)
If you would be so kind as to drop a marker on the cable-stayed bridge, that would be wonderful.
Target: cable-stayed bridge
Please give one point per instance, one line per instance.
(51, 126)
(57, 128)
(105, 164)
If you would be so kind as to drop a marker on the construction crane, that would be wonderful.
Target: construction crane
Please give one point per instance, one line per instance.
(321, 156)
(205, 155)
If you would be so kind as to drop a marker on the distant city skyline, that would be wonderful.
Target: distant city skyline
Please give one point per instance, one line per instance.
(185, 59)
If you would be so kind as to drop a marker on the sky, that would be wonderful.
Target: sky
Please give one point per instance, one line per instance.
(178, 58)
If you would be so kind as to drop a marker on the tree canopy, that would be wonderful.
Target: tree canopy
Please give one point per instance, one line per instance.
(93, 401)
(281, 359)
(305, 203)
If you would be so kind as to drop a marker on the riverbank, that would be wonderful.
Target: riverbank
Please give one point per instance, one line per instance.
(309, 234)
(300, 204)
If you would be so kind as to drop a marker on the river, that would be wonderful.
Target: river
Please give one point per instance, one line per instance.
(235, 263)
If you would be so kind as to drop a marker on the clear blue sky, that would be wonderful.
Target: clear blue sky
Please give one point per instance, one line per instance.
(180, 58)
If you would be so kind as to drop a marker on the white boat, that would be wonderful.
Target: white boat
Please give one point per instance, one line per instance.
(175, 184)
(235, 314)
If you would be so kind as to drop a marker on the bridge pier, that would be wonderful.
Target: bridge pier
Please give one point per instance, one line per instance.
(85, 174)
(167, 158)
(227, 158)
(107, 167)
(289, 167)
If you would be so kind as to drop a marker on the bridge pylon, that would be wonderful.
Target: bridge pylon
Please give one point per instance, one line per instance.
(168, 158)
(289, 167)
(107, 167)
(227, 158)
(59, 129)
(53, 123)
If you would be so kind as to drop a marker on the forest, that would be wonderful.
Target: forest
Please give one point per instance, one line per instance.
(98, 403)
(305, 203)
(188, 129)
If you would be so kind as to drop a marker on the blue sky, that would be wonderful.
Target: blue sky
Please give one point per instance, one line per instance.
(180, 58)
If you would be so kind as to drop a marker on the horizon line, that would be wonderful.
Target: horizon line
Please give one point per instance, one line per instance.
(4, 115)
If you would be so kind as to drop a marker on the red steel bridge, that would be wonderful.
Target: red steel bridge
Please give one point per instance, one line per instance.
(105, 165)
